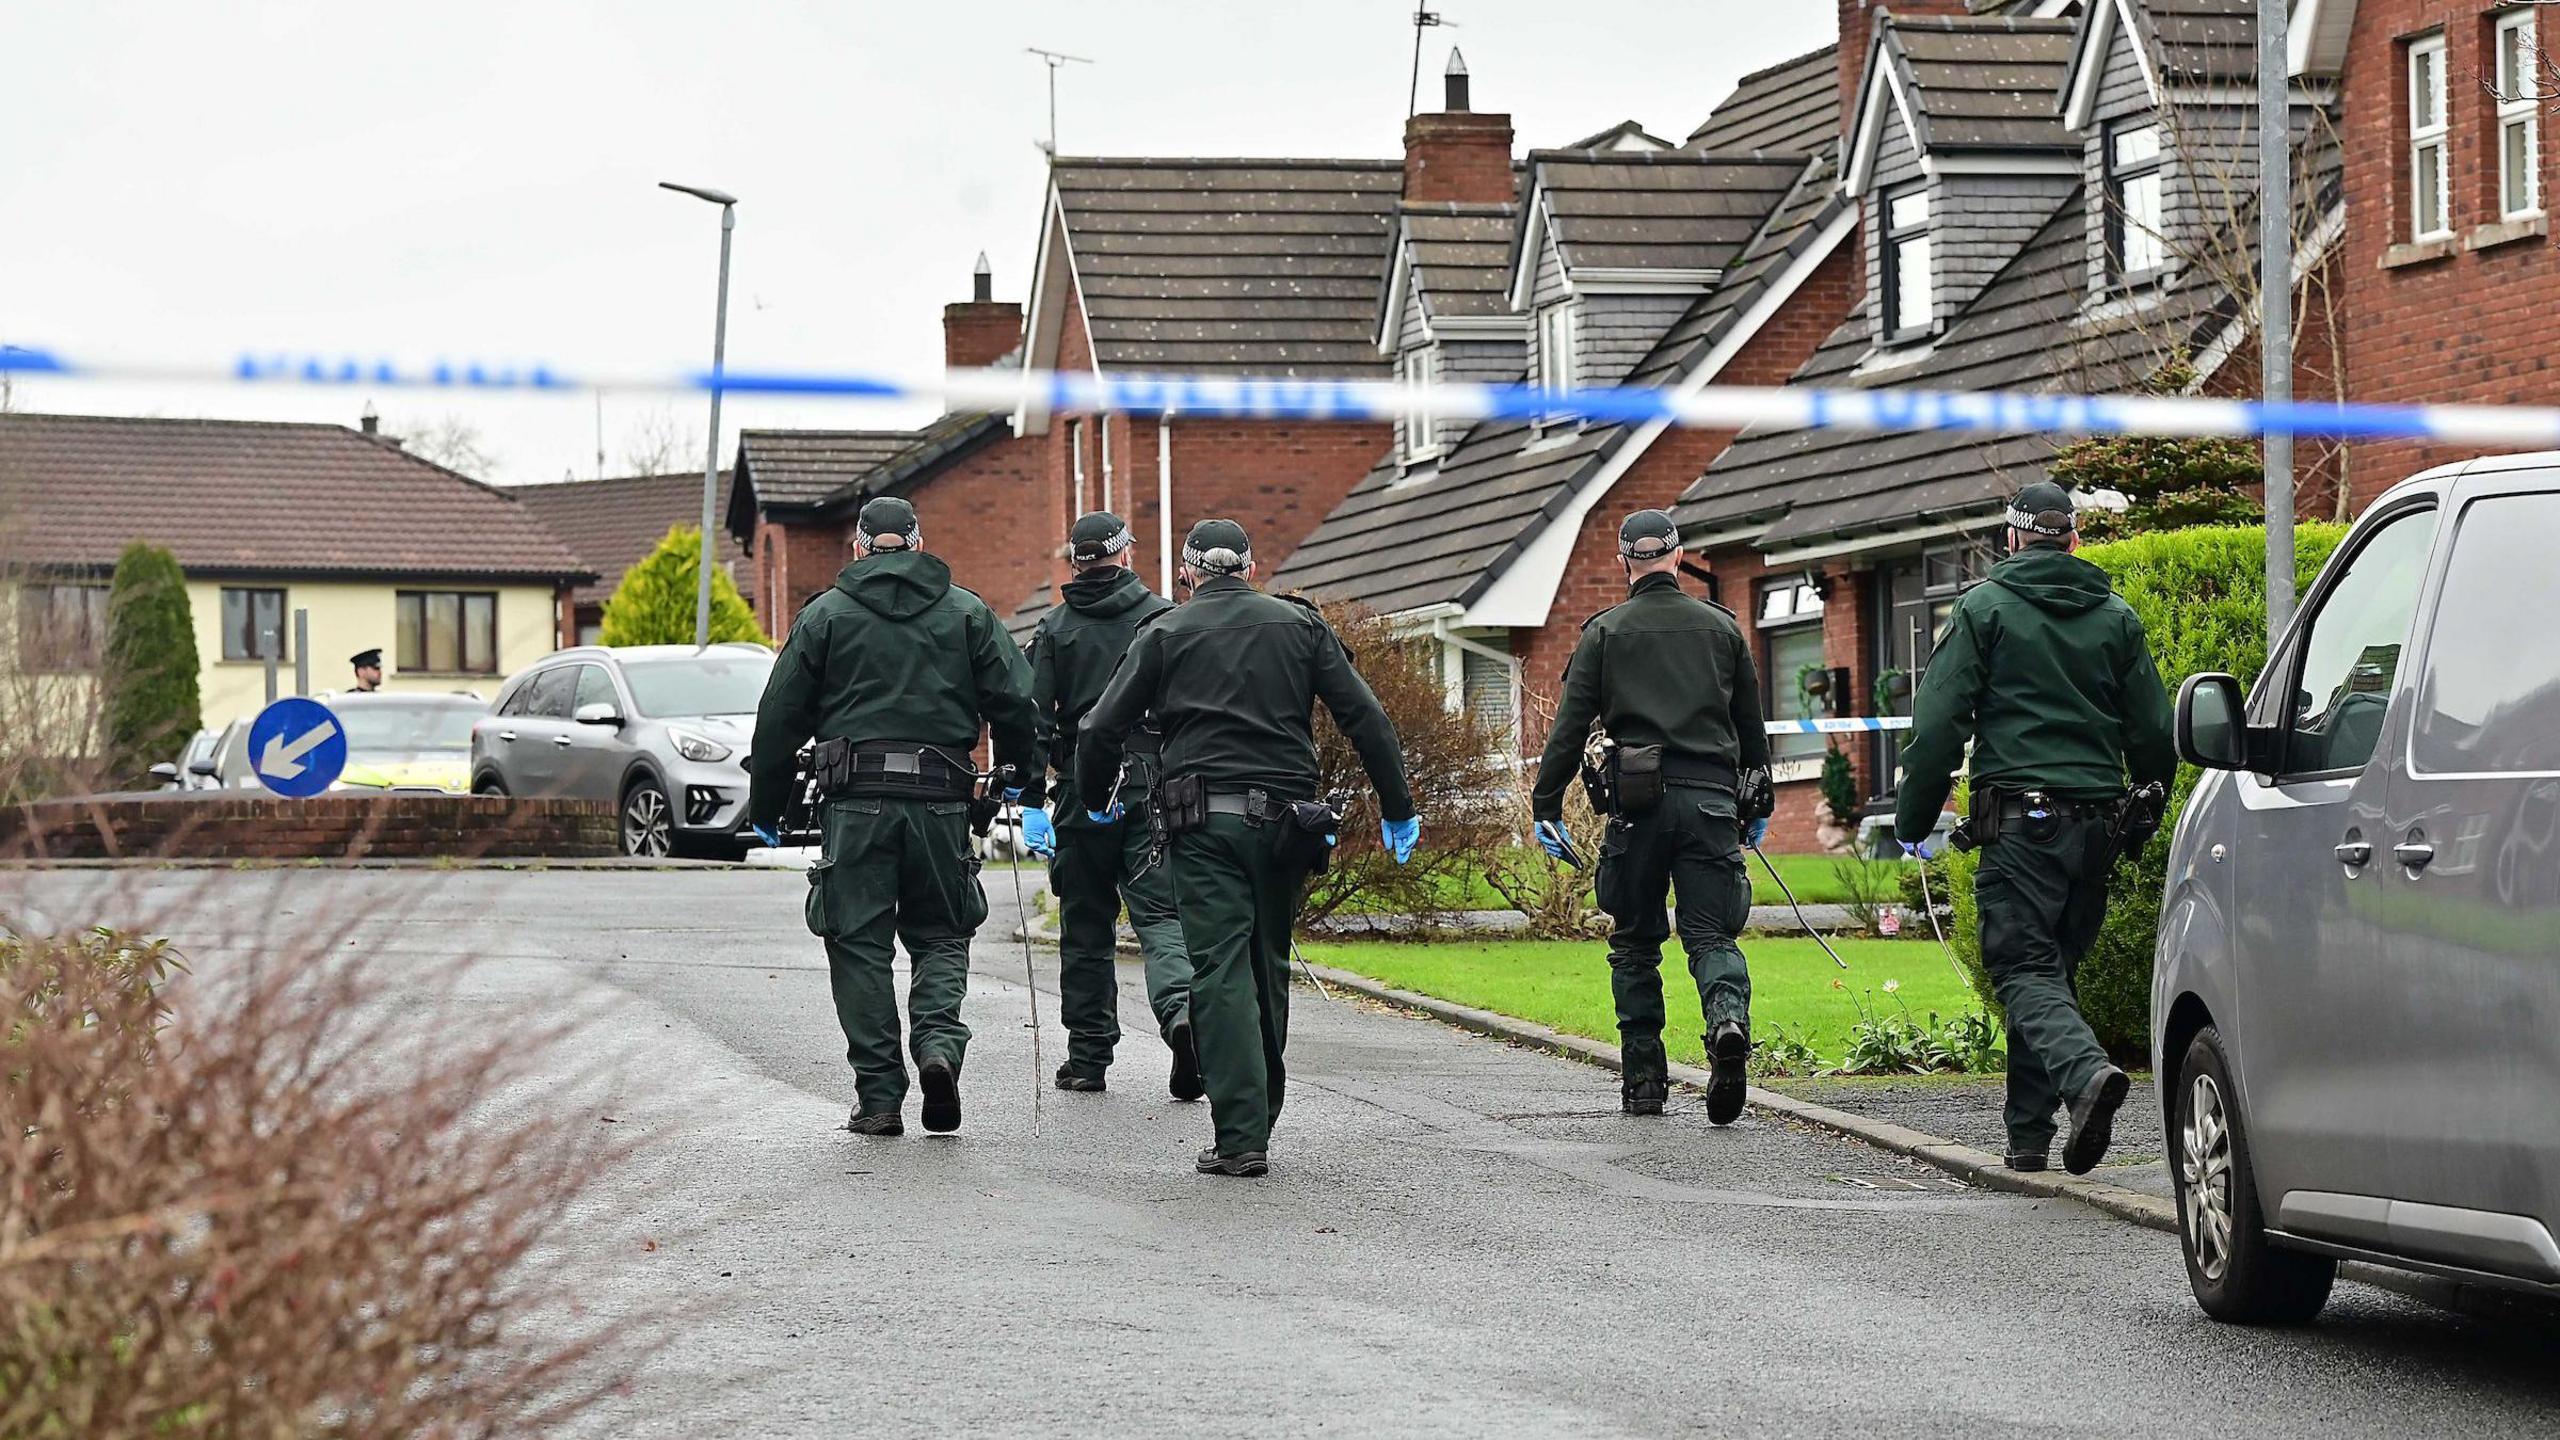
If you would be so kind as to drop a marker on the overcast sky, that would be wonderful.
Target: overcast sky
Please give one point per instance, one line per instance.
(478, 179)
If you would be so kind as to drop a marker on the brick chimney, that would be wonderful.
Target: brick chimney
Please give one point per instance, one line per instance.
(1458, 154)
(980, 330)
(1857, 32)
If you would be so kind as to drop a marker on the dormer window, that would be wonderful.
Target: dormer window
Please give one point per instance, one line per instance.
(1555, 349)
(2430, 218)
(1421, 432)
(1909, 298)
(2136, 224)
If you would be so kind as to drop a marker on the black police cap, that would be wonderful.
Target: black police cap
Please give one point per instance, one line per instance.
(1648, 535)
(2044, 508)
(1098, 536)
(366, 659)
(1220, 546)
(885, 517)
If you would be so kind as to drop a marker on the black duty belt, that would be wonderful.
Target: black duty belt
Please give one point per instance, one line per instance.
(906, 767)
(1255, 806)
(1699, 770)
(2011, 805)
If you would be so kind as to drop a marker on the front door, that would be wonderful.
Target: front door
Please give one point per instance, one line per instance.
(2312, 855)
(2471, 904)
(1914, 597)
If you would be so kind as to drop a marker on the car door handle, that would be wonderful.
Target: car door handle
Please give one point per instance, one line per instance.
(2353, 853)
(2414, 853)
(506, 734)
(560, 740)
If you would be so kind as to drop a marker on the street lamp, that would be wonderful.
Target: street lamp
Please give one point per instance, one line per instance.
(719, 346)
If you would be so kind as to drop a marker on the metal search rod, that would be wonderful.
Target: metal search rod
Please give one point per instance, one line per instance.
(1799, 909)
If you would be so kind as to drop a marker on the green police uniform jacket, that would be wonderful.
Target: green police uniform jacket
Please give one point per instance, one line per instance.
(2047, 672)
(1232, 678)
(1661, 667)
(893, 651)
(1073, 654)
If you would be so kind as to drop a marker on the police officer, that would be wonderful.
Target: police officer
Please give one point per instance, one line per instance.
(892, 671)
(1232, 677)
(2048, 674)
(1094, 868)
(1670, 679)
(368, 668)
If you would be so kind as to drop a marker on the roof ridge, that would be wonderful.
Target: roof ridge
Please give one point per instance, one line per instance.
(2013, 24)
(15, 415)
(1765, 72)
(1178, 162)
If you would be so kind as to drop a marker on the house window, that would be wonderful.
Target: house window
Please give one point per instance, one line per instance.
(2429, 214)
(1909, 301)
(1555, 349)
(61, 627)
(2135, 219)
(1418, 371)
(448, 632)
(1790, 619)
(1075, 452)
(253, 624)
(2519, 92)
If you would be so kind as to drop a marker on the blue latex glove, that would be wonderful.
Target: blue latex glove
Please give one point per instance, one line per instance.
(1922, 851)
(1039, 834)
(1401, 836)
(1553, 840)
(1755, 832)
(1105, 817)
(768, 835)
(1013, 796)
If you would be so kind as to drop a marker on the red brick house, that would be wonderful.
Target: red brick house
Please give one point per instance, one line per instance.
(2443, 106)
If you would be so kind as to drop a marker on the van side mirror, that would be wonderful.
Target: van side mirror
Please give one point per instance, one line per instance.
(601, 712)
(2212, 732)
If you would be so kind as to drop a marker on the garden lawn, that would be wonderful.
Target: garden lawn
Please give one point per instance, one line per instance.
(1815, 879)
(1565, 984)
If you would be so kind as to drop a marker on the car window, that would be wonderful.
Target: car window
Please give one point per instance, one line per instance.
(401, 727)
(2490, 698)
(596, 688)
(551, 695)
(513, 702)
(2351, 653)
(721, 684)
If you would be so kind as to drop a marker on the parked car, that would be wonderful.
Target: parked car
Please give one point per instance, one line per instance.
(406, 741)
(2357, 988)
(226, 765)
(181, 773)
(659, 730)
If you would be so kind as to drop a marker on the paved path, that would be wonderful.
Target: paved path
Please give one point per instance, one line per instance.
(1459, 1236)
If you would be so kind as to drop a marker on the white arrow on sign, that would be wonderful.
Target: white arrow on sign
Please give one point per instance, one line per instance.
(283, 760)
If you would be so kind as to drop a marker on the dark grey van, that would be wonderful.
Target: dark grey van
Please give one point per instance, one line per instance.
(2357, 990)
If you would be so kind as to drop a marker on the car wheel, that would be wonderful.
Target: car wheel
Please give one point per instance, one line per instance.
(648, 821)
(489, 785)
(2236, 1273)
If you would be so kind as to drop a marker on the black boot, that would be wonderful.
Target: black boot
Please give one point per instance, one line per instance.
(941, 1084)
(1644, 1074)
(1643, 1094)
(1729, 1053)
(2093, 1120)
(1069, 1078)
(882, 1123)
(1186, 1062)
(2025, 1162)
(1248, 1165)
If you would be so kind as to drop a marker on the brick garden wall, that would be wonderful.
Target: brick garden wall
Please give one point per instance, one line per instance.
(327, 827)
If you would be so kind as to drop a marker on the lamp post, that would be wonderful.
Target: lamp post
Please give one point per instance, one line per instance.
(719, 347)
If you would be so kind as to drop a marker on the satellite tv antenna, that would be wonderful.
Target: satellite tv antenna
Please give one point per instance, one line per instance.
(1054, 59)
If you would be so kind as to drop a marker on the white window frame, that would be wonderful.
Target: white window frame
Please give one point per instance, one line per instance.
(1893, 327)
(2126, 231)
(1419, 370)
(1075, 448)
(2430, 144)
(2519, 94)
(1556, 368)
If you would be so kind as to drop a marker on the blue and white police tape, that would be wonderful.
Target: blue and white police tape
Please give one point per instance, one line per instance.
(1845, 725)
(1710, 406)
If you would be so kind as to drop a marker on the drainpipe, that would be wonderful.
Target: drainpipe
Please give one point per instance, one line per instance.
(1164, 497)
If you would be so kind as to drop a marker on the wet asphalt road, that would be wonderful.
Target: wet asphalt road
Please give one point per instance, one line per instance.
(1458, 1237)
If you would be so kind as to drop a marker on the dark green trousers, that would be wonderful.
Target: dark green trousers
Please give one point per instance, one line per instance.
(2041, 906)
(1099, 868)
(1238, 907)
(901, 868)
(1688, 850)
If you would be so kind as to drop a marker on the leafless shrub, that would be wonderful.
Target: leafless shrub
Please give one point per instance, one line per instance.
(1557, 898)
(284, 1208)
(1451, 760)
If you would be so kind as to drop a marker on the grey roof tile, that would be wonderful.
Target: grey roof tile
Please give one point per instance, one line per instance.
(612, 524)
(1793, 107)
(1982, 81)
(1664, 209)
(1279, 263)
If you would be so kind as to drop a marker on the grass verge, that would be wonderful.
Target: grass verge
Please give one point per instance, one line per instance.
(1565, 984)
(1814, 878)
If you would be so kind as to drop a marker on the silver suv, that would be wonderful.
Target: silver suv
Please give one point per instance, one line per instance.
(660, 730)
(2357, 990)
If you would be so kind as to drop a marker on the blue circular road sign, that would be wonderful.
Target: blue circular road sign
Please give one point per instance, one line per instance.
(297, 747)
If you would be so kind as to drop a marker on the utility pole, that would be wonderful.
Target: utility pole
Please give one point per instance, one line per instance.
(1053, 59)
(719, 362)
(1422, 20)
(2275, 300)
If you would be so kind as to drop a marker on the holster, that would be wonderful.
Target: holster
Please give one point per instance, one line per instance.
(1307, 832)
(1638, 781)
(1181, 804)
(831, 767)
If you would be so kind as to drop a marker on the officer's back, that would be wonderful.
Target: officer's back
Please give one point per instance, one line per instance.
(1668, 663)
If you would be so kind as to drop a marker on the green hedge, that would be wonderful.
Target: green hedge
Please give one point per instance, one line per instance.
(152, 703)
(2202, 596)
